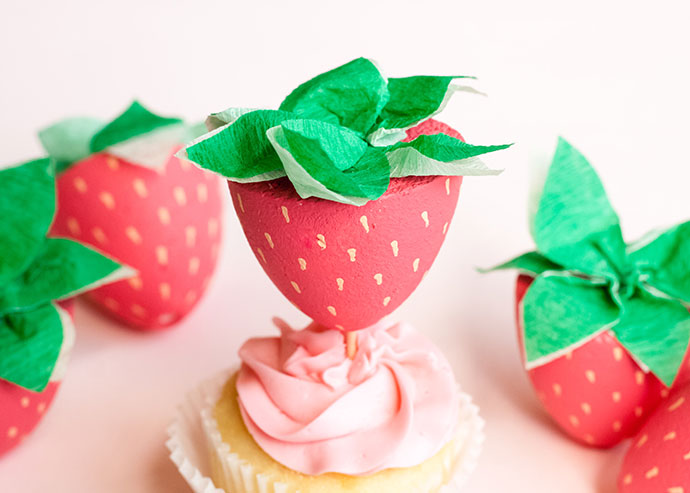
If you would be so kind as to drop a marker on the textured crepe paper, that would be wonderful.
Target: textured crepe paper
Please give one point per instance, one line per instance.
(165, 223)
(659, 456)
(337, 136)
(347, 267)
(588, 281)
(136, 135)
(37, 270)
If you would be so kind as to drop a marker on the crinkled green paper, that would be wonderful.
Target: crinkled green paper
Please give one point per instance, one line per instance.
(34, 270)
(358, 111)
(588, 280)
(137, 135)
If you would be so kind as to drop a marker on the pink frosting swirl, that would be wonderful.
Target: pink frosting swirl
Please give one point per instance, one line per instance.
(315, 411)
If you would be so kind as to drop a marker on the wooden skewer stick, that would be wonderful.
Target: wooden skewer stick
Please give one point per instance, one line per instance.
(351, 343)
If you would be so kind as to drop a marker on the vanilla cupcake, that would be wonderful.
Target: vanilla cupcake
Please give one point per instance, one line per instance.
(300, 416)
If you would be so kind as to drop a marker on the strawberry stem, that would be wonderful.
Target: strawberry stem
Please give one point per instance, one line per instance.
(351, 344)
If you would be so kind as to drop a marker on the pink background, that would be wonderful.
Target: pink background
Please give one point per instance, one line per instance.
(608, 75)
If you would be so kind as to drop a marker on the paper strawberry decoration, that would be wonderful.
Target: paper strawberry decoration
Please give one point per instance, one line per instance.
(659, 455)
(122, 191)
(342, 140)
(35, 331)
(604, 325)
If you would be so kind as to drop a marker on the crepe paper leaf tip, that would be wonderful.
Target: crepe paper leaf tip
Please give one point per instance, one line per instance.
(588, 280)
(69, 140)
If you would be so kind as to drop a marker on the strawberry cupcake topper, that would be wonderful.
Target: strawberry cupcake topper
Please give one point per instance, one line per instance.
(35, 271)
(588, 281)
(339, 136)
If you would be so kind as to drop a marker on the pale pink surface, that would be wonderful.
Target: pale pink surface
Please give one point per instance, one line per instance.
(314, 410)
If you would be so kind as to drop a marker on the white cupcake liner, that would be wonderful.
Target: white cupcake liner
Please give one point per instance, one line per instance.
(195, 441)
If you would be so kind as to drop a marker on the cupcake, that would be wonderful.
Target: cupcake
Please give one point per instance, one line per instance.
(345, 194)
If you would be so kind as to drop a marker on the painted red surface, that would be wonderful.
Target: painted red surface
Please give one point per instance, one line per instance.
(344, 266)
(165, 224)
(659, 455)
(597, 394)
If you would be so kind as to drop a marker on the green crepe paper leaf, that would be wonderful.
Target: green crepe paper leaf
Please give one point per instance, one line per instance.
(575, 224)
(240, 150)
(61, 269)
(69, 141)
(439, 154)
(532, 263)
(351, 95)
(30, 345)
(330, 162)
(135, 121)
(656, 331)
(562, 312)
(27, 206)
(411, 101)
(666, 261)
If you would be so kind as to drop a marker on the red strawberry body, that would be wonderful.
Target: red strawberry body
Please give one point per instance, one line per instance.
(344, 266)
(164, 223)
(659, 455)
(21, 410)
(597, 393)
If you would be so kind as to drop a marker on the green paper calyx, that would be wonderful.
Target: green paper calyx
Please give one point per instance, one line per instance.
(34, 271)
(350, 147)
(137, 135)
(587, 280)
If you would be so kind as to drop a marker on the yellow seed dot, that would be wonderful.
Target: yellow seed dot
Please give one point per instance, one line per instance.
(321, 241)
(352, 253)
(591, 376)
(664, 393)
(111, 304)
(136, 283)
(295, 286)
(73, 226)
(557, 389)
(415, 265)
(261, 254)
(12, 432)
(194, 263)
(676, 489)
(99, 235)
(616, 396)
(138, 310)
(25, 402)
(162, 255)
(269, 240)
(639, 377)
(140, 188)
(394, 245)
(574, 421)
(41, 407)
(201, 192)
(80, 184)
(670, 436)
(331, 310)
(212, 227)
(652, 473)
(643, 439)
(638, 411)
(341, 283)
(286, 214)
(302, 263)
(133, 235)
(445, 228)
(190, 236)
(617, 426)
(163, 215)
(627, 479)
(386, 300)
(185, 165)
(339, 327)
(378, 278)
(447, 186)
(365, 223)
(180, 196)
(676, 404)
(586, 408)
(589, 439)
(164, 290)
(239, 202)
(618, 354)
(425, 218)
(686, 456)
(107, 200)
(112, 163)
(569, 355)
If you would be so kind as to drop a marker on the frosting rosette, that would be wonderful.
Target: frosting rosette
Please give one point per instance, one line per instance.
(314, 410)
